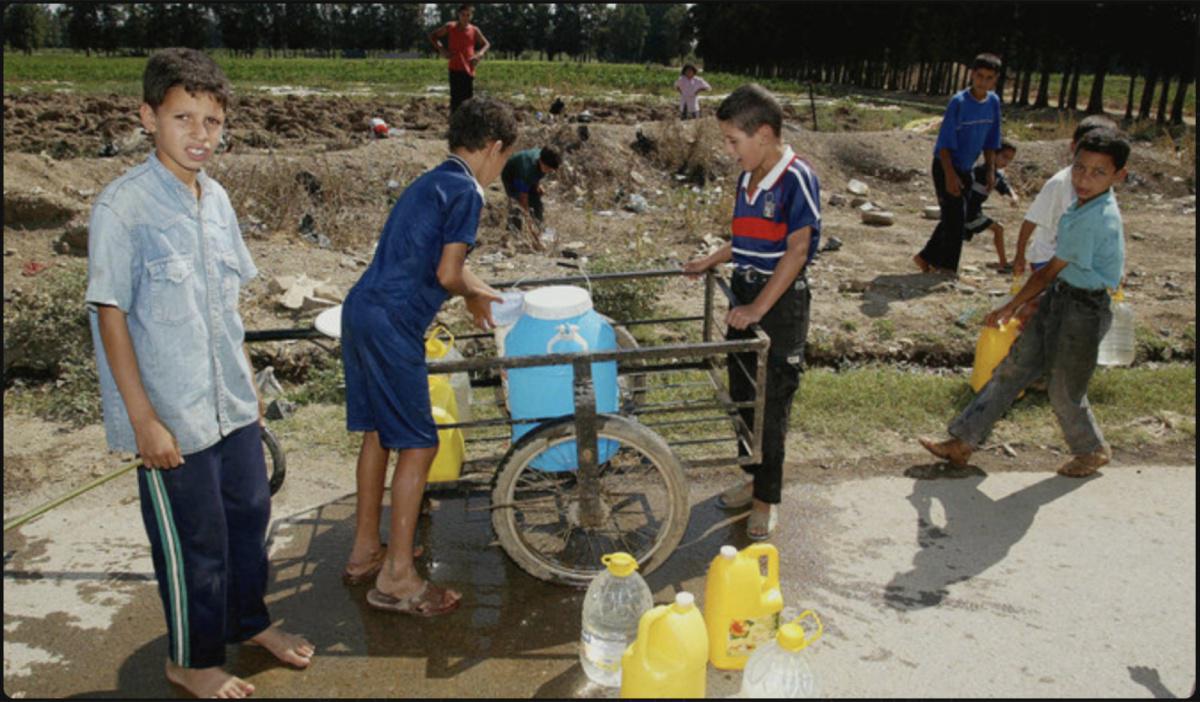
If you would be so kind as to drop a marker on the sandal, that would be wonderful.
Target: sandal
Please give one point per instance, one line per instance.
(429, 601)
(1083, 465)
(737, 497)
(956, 451)
(760, 526)
(368, 575)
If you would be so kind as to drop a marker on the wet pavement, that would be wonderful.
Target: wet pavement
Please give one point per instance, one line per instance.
(929, 584)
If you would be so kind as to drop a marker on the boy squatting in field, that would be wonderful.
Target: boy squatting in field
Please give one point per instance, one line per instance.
(970, 125)
(522, 176)
(776, 228)
(418, 264)
(165, 262)
(975, 220)
(1063, 336)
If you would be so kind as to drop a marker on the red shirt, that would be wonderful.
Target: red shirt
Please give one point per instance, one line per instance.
(462, 48)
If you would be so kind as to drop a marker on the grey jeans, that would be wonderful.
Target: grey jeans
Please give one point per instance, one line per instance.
(1060, 340)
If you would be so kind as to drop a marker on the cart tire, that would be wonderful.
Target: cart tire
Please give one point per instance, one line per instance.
(276, 460)
(547, 551)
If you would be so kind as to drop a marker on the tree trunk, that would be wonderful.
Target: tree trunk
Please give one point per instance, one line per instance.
(1043, 96)
(1148, 94)
(1073, 91)
(1162, 101)
(1180, 94)
(1129, 98)
(1026, 79)
(1096, 100)
(1062, 89)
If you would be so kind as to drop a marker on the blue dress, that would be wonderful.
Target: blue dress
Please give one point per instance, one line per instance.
(386, 313)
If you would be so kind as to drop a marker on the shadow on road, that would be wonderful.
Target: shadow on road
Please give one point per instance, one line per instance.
(978, 533)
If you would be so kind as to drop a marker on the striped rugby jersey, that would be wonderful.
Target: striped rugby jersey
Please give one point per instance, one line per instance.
(787, 199)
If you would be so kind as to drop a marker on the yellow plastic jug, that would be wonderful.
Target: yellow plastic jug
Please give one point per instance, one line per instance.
(669, 658)
(440, 346)
(993, 345)
(741, 606)
(447, 464)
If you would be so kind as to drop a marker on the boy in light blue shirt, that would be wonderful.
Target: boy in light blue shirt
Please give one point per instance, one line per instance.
(1063, 336)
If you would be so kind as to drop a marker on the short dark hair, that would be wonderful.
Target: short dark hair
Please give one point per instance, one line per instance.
(549, 156)
(480, 121)
(1091, 122)
(986, 60)
(192, 69)
(1106, 141)
(1006, 145)
(749, 107)
(687, 66)
(466, 6)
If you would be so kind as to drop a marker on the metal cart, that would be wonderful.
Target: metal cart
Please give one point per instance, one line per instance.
(675, 411)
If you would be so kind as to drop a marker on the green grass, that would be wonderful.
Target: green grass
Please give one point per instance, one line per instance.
(852, 407)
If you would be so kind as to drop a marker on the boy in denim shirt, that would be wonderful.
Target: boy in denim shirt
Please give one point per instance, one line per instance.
(1063, 336)
(165, 263)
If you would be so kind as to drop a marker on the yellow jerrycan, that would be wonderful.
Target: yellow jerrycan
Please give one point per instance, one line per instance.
(669, 657)
(741, 606)
(440, 346)
(447, 464)
(993, 345)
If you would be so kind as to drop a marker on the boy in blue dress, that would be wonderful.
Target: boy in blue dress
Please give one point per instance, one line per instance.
(776, 228)
(418, 264)
(165, 263)
(970, 125)
(1063, 336)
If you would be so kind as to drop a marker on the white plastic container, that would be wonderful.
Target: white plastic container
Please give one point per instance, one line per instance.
(781, 668)
(505, 314)
(612, 607)
(1119, 345)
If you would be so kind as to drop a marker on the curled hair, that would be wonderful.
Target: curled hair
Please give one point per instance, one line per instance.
(749, 107)
(1107, 141)
(479, 121)
(550, 156)
(683, 71)
(192, 69)
(1091, 122)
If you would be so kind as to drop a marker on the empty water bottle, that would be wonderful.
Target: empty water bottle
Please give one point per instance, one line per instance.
(1119, 346)
(781, 668)
(615, 601)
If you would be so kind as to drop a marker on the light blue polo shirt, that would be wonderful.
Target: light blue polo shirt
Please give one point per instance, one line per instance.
(1091, 239)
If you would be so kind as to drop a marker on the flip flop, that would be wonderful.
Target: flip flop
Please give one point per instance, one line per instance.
(368, 575)
(737, 497)
(429, 601)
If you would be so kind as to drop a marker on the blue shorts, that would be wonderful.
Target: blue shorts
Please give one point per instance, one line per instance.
(1035, 266)
(387, 383)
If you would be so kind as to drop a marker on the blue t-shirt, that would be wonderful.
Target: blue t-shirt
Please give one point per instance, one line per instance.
(968, 127)
(1091, 239)
(441, 207)
(787, 199)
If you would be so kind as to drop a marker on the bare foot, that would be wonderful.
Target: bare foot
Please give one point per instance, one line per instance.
(292, 649)
(209, 682)
(921, 263)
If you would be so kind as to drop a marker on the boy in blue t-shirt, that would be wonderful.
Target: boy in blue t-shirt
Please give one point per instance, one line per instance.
(1063, 336)
(971, 125)
(418, 264)
(776, 228)
(166, 261)
(976, 220)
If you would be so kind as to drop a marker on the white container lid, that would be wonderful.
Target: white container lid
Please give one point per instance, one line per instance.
(507, 313)
(729, 552)
(557, 302)
(329, 322)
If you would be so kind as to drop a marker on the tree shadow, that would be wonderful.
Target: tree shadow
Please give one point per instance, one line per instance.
(886, 289)
(978, 534)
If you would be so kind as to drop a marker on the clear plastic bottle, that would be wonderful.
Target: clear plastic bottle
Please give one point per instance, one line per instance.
(1119, 345)
(615, 601)
(780, 668)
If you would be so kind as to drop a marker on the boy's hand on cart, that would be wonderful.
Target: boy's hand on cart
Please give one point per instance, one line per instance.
(479, 303)
(743, 316)
(696, 267)
(156, 445)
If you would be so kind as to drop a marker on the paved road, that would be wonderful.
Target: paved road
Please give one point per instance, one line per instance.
(1009, 584)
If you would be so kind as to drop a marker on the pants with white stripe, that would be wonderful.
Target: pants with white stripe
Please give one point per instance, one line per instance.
(207, 523)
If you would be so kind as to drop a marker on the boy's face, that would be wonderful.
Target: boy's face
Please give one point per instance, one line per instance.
(750, 150)
(1093, 174)
(465, 15)
(689, 72)
(1004, 157)
(186, 129)
(544, 168)
(983, 80)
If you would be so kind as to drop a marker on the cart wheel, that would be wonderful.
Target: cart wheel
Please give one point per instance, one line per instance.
(643, 496)
(276, 461)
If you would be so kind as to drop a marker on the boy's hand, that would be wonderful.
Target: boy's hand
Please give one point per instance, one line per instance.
(157, 446)
(999, 316)
(954, 185)
(696, 267)
(743, 316)
(1019, 265)
(479, 304)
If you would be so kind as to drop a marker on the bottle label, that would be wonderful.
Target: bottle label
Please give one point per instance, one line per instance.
(745, 635)
(603, 653)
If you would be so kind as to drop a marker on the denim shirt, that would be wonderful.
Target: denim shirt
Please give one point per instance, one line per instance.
(174, 266)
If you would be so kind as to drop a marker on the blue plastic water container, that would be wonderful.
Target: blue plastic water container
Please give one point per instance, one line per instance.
(559, 319)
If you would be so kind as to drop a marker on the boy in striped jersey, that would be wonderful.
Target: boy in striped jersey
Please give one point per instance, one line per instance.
(776, 228)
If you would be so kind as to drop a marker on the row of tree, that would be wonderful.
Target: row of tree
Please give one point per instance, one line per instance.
(920, 48)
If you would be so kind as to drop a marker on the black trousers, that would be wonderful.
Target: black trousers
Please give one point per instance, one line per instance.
(786, 323)
(944, 247)
(462, 87)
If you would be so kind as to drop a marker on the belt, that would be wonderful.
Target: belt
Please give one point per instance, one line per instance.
(753, 277)
(1061, 287)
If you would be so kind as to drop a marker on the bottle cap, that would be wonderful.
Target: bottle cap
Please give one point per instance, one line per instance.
(684, 601)
(729, 552)
(620, 564)
(791, 637)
